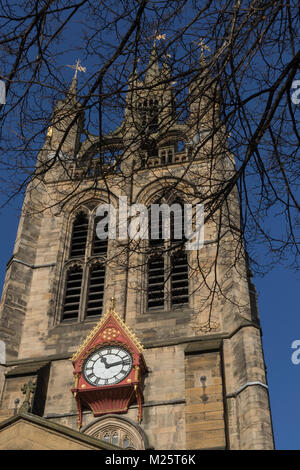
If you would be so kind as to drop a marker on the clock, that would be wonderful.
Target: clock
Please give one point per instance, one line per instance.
(107, 365)
(109, 369)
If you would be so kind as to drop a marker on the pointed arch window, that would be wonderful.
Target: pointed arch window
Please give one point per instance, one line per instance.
(149, 114)
(168, 274)
(118, 431)
(85, 270)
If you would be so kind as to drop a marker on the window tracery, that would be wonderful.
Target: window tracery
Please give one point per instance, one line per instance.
(85, 267)
(117, 431)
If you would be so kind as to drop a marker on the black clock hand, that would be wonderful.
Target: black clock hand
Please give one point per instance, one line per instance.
(116, 363)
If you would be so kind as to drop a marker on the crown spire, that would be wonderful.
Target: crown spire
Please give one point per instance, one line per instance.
(152, 72)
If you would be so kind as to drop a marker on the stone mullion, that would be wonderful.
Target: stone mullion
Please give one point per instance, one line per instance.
(84, 292)
(86, 271)
(61, 295)
(187, 252)
(89, 238)
(167, 269)
(145, 284)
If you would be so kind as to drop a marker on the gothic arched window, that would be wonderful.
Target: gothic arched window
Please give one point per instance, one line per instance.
(149, 113)
(168, 275)
(118, 431)
(84, 273)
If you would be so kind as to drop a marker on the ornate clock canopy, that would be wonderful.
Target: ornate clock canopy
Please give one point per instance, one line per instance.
(109, 368)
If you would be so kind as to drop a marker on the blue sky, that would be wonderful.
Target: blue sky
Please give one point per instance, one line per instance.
(278, 296)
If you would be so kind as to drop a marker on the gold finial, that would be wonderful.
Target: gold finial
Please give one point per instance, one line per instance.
(203, 46)
(77, 67)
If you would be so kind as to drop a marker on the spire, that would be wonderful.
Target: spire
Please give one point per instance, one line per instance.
(203, 93)
(202, 62)
(71, 95)
(131, 92)
(133, 78)
(152, 72)
(67, 116)
(72, 92)
(165, 70)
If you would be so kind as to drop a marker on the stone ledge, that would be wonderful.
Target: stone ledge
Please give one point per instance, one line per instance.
(202, 340)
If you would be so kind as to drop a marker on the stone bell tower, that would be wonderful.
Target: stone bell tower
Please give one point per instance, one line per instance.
(192, 313)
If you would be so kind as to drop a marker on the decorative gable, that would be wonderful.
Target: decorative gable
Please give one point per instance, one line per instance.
(109, 368)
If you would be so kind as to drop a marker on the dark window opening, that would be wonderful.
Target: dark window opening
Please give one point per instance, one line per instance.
(40, 394)
(179, 279)
(149, 112)
(180, 146)
(156, 282)
(99, 246)
(177, 224)
(155, 230)
(72, 294)
(95, 290)
(153, 116)
(168, 274)
(79, 236)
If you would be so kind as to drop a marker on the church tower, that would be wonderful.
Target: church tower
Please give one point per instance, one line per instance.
(183, 322)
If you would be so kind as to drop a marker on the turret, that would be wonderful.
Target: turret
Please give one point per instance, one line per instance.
(150, 103)
(203, 99)
(66, 123)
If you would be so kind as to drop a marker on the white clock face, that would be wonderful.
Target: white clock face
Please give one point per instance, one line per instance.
(107, 366)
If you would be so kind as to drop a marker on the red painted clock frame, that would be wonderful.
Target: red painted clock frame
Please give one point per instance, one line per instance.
(115, 398)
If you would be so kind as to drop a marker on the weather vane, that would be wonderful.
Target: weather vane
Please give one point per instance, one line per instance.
(77, 67)
(158, 37)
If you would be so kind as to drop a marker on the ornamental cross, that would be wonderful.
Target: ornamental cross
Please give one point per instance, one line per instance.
(77, 67)
(27, 390)
(203, 46)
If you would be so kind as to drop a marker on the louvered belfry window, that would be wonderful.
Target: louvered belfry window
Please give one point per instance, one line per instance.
(179, 279)
(95, 290)
(156, 282)
(84, 281)
(99, 246)
(72, 294)
(168, 281)
(79, 235)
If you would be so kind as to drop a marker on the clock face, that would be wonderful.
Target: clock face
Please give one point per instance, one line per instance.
(107, 366)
